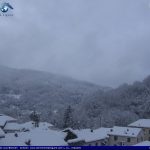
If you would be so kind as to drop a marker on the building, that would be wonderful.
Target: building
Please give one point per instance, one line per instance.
(12, 127)
(39, 136)
(5, 119)
(2, 134)
(87, 137)
(145, 125)
(30, 125)
(144, 143)
(125, 136)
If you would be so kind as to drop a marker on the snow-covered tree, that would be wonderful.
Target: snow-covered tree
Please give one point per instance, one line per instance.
(68, 117)
(35, 117)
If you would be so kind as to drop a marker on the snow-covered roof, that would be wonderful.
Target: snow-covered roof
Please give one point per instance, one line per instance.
(145, 123)
(88, 136)
(2, 134)
(39, 137)
(4, 119)
(30, 125)
(13, 126)
(69, 129)
(144, 143)
(75, 140)
(124, 131)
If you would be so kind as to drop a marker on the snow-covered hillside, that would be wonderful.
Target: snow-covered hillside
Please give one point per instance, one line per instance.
(21, 91)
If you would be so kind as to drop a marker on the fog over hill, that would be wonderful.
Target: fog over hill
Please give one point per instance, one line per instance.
(22, 91)
(101, 41)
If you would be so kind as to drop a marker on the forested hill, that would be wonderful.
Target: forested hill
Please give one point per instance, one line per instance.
(21, 91)
(119, 106)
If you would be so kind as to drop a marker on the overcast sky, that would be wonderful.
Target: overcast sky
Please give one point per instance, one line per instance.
(102, 41)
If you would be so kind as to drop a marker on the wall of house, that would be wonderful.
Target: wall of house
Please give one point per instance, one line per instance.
(80, 143)
(2, 136)
(146, 134)
(124, 140)
(11, 131)
(97, 143)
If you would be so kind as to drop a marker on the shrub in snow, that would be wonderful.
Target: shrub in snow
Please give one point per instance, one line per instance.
(28, 143)
(16, 135)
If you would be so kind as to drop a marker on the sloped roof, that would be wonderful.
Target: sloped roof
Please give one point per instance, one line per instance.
(88, 136)
(13, 126)
(70, 129)
(145, 123)
(124, 131)
(30, 125)
(2, 134)
(4, 119)
(39, 137)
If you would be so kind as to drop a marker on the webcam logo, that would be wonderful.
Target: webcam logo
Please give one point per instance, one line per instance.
(4, 7)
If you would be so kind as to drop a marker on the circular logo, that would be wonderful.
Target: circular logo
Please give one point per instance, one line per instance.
(5, 7)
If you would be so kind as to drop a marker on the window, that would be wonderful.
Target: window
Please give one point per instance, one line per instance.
(115, 138)
(128, 140)
(142, 139)
(103, 143)
(121, 143)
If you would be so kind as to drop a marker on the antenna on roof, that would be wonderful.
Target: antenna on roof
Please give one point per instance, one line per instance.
(111, 130)
(125, 132)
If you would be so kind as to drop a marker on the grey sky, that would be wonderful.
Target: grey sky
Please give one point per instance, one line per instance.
(102, 41)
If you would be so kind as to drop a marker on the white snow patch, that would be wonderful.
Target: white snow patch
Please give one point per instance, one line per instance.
(145, 123)
(41, 136)
(13, 126)
(124, 131)
(95, 135)
(4, 119)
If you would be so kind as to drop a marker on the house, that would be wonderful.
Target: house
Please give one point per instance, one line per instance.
(145, 125)
(70, 134)
(144, 143)
(39, 136)
(30, 125)
(125, 136)
(87, 137)
(2, 134)
(12, 127)
(5, 119)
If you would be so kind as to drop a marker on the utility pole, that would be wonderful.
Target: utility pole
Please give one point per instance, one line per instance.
(100, 120)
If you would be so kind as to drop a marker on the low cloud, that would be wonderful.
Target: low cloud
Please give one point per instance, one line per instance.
(102, 41)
